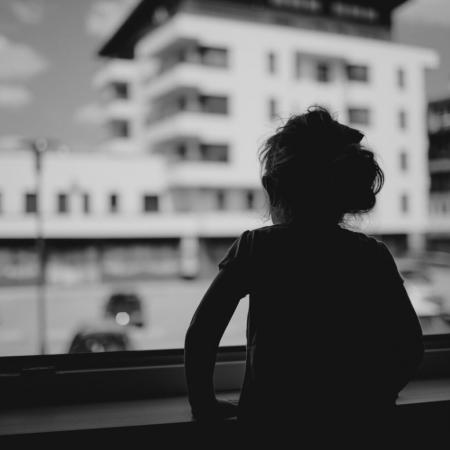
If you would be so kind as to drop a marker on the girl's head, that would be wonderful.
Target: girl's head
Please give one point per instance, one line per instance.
(315, 167)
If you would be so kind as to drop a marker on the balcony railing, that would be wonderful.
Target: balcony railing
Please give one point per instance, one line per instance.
(190, 51)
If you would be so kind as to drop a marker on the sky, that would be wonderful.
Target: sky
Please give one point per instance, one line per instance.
(48, 60)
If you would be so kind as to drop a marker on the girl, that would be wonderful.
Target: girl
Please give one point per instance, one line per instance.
(330, 326)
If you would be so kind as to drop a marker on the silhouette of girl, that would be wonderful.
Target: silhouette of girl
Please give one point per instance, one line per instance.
(331, 333)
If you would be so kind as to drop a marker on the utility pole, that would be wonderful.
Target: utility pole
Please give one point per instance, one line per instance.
(39, 147)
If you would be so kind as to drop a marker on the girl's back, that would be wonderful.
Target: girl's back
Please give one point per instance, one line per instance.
(329, 319)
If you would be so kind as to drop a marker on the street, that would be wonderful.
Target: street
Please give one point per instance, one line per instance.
(168, 308)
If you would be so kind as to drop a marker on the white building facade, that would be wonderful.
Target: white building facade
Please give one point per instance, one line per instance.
(190, 91)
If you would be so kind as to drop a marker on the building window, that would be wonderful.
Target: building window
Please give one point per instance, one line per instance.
(323, 72)
(62, 205)
(440, 182)
(297, 65)
(359, 116)
(204, 55)
(404, 203)
(119, 128)
(216, 57)
(273, 109)
(401, 78)
(31, 203)
(250, 199)
(113, 203)
(305, 5)
(355, 12)
(181, 103)
(181, 151)
(119, 90)
(213, 104)
(220, 200)
(271, 63)
(214, 152)
(403, 161)
(357, 73)
(86, 203)
(402, 119)
(150, 203)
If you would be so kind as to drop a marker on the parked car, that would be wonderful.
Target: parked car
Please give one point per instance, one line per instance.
(126, 309)
(102, 336)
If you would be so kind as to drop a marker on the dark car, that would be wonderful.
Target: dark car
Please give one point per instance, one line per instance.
(105, 336)
(126, 309)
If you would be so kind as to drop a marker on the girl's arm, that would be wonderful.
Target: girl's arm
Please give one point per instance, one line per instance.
(203, 336)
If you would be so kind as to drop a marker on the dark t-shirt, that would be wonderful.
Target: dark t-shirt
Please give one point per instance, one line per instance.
(329, 323)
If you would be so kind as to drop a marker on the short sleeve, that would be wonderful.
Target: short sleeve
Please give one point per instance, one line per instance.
(387, 262)
(239, 252)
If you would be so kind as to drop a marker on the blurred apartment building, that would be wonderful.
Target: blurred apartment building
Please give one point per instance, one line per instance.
(190, 90)
(439, 165)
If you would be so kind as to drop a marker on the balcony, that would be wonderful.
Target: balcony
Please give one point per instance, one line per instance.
(186, 74)
(182, 149)
(189, 50)
(119, 109)
(206, 127)
(210, 175)
(115, 70)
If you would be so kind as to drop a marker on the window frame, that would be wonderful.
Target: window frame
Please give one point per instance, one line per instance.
(120, 90)
(28, 195)
(119, 124)
(403, 119)
(358, 110)
(139, 374)
(62, 203)
(298, 60)
(323, 73)
(113, 203)
(149, 197)
(209, 152)
(401, 78)
(405, 203)
(86, 203)
(352, 72)
(271, 62)
(273, 112)
(404, 161)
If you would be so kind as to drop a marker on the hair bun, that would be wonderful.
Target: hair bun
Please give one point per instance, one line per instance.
(356, 179)
(316, 165)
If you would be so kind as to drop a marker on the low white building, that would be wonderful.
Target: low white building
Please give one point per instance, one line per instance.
(190, 90)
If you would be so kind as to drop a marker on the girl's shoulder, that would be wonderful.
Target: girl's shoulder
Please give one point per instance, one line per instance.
(304, 232)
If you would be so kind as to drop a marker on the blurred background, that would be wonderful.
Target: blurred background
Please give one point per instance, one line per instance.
(129, 131)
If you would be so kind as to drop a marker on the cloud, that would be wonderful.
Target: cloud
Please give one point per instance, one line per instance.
(105, 16)
(19, 61)
(28, 11)
(436, 12)
(14, 96)
(91, 114)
